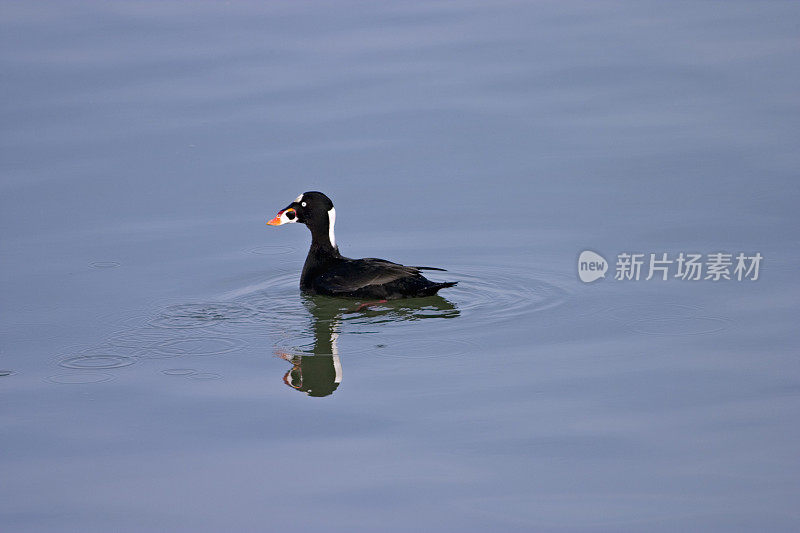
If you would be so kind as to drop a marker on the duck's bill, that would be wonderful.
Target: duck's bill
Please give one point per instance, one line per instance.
(287, 216)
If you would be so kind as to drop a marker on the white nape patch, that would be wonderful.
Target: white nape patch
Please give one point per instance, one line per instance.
(298, 199)
(331, 223)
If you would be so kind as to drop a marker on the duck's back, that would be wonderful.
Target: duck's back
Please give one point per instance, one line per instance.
(375, 278)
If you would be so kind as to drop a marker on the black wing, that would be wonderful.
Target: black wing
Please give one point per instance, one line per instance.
(358, 273)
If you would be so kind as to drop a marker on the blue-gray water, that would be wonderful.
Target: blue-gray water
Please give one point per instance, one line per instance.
(151, 321)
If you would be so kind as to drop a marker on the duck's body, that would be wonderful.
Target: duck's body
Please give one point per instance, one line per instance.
(327, 272)
(366, 278)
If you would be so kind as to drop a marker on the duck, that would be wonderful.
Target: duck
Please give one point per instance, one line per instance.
(327, 272)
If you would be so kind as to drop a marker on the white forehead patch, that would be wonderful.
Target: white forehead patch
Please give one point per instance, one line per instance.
(331, 222)
(298, 199)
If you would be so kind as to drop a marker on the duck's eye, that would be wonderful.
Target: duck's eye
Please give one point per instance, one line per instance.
(290, 215)
(303, 204)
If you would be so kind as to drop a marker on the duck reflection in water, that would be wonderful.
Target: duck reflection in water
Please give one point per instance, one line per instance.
(318, 371)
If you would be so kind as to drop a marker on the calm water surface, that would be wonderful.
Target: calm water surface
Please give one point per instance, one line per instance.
(161, 371)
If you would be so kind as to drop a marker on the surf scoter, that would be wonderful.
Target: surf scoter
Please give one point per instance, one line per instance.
(327, 272)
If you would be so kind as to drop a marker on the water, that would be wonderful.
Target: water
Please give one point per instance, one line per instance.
(159, 369)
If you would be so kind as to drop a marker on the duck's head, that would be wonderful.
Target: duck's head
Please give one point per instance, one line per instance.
(313, 209)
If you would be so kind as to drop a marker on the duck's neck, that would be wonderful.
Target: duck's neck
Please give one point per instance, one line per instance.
(322, 235)
(323, 250)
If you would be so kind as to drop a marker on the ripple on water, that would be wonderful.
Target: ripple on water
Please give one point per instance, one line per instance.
(198, 315)
(494, 294)
(179, 371)
(94, 362)
(667, 319)
(127, 320)
(694, 325)
(104, 264)
(639, 311)
(304, 344)
(275, 288)
(485, 295)
(277, 303)
(398, 311)
(138, 339)
(198, 346)
(205, 376)
(270, 249)
(491, 293)
(424, 348)
(84, 378)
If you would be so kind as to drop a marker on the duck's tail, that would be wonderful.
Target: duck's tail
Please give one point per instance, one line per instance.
(435, 287)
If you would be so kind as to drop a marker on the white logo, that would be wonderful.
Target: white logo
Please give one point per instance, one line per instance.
(663, 266)
(591, 266)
